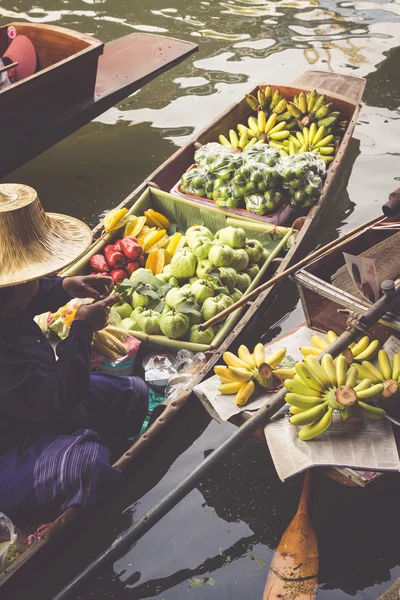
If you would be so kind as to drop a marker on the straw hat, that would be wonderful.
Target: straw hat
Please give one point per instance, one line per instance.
(34, 243)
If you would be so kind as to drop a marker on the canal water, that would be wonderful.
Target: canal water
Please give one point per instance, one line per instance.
(217, 544)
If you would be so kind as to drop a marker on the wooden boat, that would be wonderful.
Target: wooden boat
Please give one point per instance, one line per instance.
(77, 79)
(348, 89)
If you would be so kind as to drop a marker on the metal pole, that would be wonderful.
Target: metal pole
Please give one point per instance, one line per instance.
(159, 510)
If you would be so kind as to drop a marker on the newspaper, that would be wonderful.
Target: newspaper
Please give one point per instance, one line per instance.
(369, 445)
(222, 407)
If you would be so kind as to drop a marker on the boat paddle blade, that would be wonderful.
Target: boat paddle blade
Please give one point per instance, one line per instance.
(294, 570)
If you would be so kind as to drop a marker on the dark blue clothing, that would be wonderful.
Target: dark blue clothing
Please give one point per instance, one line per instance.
(44, 461)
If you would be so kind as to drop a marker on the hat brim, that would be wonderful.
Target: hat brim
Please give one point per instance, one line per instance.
(67, 240)
(22, 51)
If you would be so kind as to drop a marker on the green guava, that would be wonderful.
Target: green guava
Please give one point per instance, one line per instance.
(243, 281)
(174, 325)
(221, 256)
(235, 237)
(200, 337)
(201, 246)
(183, 264)
(149, 321)
(202, 289)
(195, 231)
(240, 260)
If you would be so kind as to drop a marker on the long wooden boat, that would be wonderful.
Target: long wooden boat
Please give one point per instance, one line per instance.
(349, 90)
(77, 79)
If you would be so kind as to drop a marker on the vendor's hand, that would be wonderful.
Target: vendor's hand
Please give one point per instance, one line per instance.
(96, 314)
(88, 286)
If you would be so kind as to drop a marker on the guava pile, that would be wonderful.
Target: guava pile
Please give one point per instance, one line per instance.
(208, 274)
(257, 179)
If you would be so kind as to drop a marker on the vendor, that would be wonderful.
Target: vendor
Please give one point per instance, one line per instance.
(54, 414)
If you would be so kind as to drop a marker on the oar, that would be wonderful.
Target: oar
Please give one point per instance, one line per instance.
(302, 263)
(259, 419)
(294, 569)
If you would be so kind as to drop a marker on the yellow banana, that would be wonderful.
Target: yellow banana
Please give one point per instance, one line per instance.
(233, 138)
(360, 346)
(319, 342)
(363, 385)
(253, 125)
(362, 372)
(341, 369)
(374, 374)
(311, 98)
(244, 139)
(298, 387)
(306, 417)
(319, 135)
(285, 372)
(313, 131)
(311, 431)
(233, 361)
(372, 412)
(314, 365)
(276, 358)
(231, 388)
(300, 137)
(369, 352)
(329, 367)
(277, 128)
(306, 135)
(245, 355)
(244, 374)
(370, 392)
(310, 351)
(351, 377)
(259, 354)
(243, 395)
(224, 141)
(331, 336)
(227, 374)
(384, 364)
(309, 378)
(303, 102)
(280, 135)
(302, 401)
(396, 366)
(262, 120)
(295, 410)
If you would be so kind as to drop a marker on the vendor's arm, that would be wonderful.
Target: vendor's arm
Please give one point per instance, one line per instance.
(54, 292)
(35, 390)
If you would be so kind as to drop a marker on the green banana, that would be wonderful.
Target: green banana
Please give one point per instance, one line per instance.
(318, 103)
(303, 401)
(314, 365)
(309, 378)
(370, 392)
(306, 417)
(252, 101)
(298, 387)
(384, 364)
(375, 375)
(372, 412)
(333, 403)
(311, 431)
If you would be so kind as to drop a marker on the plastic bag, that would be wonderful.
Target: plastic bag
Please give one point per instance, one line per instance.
(226, 196)
(208, 152)
(159, 368)
(302, 178)
(12, 543)
(198, 181)
(189, 371)
(123, 366)
(262, 153)
(264, 204)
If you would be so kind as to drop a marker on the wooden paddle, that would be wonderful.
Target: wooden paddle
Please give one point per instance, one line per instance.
(294, 569)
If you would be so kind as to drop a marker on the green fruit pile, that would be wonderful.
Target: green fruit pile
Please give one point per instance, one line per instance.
(206, 276)
(257, 179)
(302, 178)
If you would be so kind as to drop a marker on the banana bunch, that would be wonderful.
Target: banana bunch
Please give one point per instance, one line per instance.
(109, 342)
(365, 349)
(261, 129)
(270, 102)
(318, 389)
(243, 371)
(307, 108)
(312, 139)
(240, 141)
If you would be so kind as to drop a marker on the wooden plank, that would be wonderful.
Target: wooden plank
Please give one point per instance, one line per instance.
(127, 64)
(348, 86)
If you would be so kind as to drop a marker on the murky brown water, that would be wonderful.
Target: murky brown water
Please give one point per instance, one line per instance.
(228, 528)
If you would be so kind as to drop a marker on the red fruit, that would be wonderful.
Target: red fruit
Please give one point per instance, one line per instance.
(118, 275)
(114, 256)
(142, 260)
(130, 247)
(131, 267)
(99, 263)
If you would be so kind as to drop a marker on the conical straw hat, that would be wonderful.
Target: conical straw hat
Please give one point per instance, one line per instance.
(34, 243)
